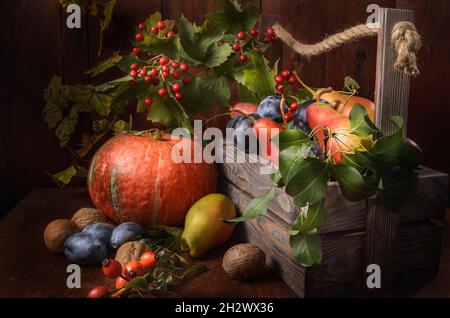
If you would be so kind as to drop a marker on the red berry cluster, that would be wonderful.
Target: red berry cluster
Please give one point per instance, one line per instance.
(113, 269)
(290, 114)
(163, 70)
(155, 30)
(282, 78)
(243, 38)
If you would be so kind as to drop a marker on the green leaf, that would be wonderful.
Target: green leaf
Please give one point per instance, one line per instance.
(164, 111)
(153, 19)
(246, 95)
(126, 61)
(374, 163)
(350, 85)
(64, 177)
(306, 247)
(55, 102)
(138, 282)
(88, 141)
(232, 18)
(105, 65)
(360, 123)
(66, 127)
(201, 45)
(191, 269)
(390, 147)
(310, 184)
(216, 88)
(256, 76)
(291, 159)
(120, 126)
(101, 103)
(352, 184)
(292, 137)
(155, 45)
(395, 188)
(125, 92)
(309, 218)
(256, 208)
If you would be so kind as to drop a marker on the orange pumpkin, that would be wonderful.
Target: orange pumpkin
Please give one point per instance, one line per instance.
(134, 179)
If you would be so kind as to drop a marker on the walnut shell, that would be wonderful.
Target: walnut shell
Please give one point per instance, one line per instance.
(57, 232)
(244, 261)
(130, 251)
(86, 216)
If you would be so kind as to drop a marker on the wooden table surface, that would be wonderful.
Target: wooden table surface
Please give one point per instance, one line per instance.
(30, 270)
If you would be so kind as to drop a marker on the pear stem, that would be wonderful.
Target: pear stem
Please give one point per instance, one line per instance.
(309, 89)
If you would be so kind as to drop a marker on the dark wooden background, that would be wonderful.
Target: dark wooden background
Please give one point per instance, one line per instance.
(35, 44)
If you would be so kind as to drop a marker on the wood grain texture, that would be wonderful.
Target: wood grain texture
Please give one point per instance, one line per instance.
(391, 85)
(21, 234)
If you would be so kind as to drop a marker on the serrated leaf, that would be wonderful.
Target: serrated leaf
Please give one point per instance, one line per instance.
(310, 184)
(292, 137)
(154, 45)
(390, 147)
(105, 65)
(246, 95)
(306, 247)
(256, 208)
(352, 184)
(164, 111)
(309, 218)
(66, 127)
(350, 85)
(290, 161)
(55, 102)
(120, 126)
(64, 177)
(232, 18)
(101, 103)
(153, 19)
(360, 123)
(88, 141)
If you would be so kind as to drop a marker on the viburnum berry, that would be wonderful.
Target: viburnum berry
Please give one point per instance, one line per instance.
(241, 35)
(288, 116)
(148, 79)
(285, 73)
(139, 37)
(133, 269)
(143, 72)
(183, 67)
(236, 47)
(175, 74)
(154, 30)
(164, 60)
(142, 26)
(161, 25)
(111, 268)
(243, 58)
(98, 292)
(176, 87)
(166, 68)
(178, 96)
(186, 80)
(134, 67)
(133, 84)
(165, 74)
(155, 81)
(292, 79)
(254, 32)
(121, 282)
(279, 79)
(134, 74)
(162, 92)
(154, 72)
(257, 49)
(148, 101)
(175, 64)
(271, 32)
(266, 40)
(171, 34)
(136, 51)
(148, 259)
(280, 88)
(294, 107)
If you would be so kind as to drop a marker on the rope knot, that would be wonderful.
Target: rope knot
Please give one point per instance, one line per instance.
(407, 43)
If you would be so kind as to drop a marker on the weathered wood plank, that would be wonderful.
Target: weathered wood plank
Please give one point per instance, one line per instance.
(391, 86)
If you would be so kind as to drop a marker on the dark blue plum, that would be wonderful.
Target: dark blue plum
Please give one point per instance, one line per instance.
(85, 249)
(125, 232)
(101, 231)
(270, 108)
(239, 129)
(300, 121)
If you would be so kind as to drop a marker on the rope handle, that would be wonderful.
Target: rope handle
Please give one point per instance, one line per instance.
(405, 40)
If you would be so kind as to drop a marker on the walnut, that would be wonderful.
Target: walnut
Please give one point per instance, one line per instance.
(86, 216)
(130, 251)
(244, 261)
(57, 232)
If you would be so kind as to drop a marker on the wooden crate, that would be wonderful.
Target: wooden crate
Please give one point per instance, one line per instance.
(404, 243)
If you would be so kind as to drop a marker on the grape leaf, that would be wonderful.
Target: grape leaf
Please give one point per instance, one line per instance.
(105, 65)
(154, 45)
(306, 247)
(310, 184)
(66, 127)
(120, 126)
(232, 18)
(64, 177)
(164, 111)
(55, 103)
(256, 208)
